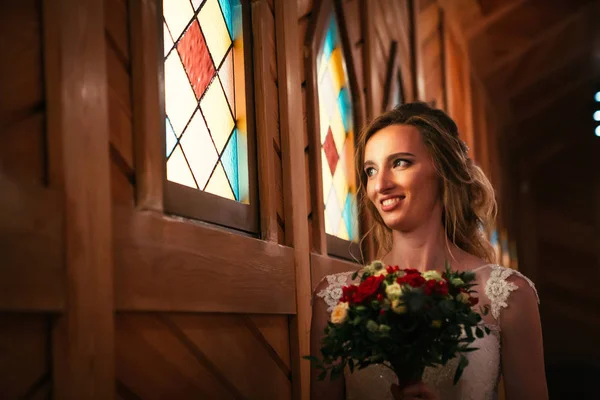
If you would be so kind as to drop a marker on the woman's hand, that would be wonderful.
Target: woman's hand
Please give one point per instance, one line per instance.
(415, 391)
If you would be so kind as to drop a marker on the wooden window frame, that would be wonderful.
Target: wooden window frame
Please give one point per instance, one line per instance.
(393, 78)
(193, 203)
(323, 243)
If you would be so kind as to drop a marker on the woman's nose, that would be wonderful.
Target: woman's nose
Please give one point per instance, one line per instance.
(383, 181)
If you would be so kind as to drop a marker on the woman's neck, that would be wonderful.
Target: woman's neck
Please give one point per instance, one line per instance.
(425, 248)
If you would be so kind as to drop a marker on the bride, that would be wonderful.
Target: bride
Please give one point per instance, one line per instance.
(431, 204)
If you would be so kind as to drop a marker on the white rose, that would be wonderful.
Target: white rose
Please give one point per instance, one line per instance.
(432, 275)
(393, 291)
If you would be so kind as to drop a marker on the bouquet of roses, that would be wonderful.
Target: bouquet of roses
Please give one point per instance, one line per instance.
(403, 319)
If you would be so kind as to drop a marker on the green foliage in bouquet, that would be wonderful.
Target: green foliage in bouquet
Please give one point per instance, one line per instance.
(403, 319)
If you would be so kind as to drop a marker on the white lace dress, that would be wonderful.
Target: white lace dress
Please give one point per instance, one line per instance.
(481, 377)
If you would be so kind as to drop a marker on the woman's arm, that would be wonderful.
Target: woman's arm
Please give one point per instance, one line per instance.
(522, 349)
(326, 389)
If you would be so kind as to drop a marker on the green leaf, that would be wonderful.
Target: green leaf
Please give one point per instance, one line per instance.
(479, 332)
(313, 360)
(322, 375)
(487, 330)
(354, 275)
(351, 365)
(462, 364)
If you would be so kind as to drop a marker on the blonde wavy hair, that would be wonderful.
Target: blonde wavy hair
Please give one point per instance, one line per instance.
(469, 204)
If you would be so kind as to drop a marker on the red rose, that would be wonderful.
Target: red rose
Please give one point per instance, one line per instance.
(414, 280)
(347, 293)
(391, 270)
(411, 271)
(473, 301)
(379, 297)
(429, 287)
(434, 287)
(442, 288)
(367, 288)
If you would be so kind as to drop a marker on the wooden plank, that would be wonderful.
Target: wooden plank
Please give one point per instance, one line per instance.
(25, 356)
(32, 248)
(171, 264)
(292, 149)
(83, 353)
(266, 101)
(148, 108)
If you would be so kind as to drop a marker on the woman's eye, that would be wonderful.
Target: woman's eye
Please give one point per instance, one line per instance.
(370, 171)
(401, 163)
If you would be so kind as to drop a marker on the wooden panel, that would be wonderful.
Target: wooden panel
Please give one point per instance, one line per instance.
(32, 248)
(171, 264)
(271, 196)
(24, 354)
(119, 105)
(152, 363)
(83, 362)
(274, 329)
(231, 345)
(116, 21)
(22, 108)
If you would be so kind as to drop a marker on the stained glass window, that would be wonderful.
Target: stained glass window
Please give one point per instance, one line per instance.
(206, 138)
(337, 138)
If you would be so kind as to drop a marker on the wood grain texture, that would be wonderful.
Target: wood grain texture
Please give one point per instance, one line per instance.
(172, 264)
(32, 247)
(22, 108)
(275, 330)
(24, 354)
(83, 364)
(148, 108)
(292, 150)
(266, 101)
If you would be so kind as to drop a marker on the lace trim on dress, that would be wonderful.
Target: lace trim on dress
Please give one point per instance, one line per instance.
(498, 289)
(333, 292)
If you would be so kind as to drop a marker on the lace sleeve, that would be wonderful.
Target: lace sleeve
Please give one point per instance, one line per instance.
(498, 288)
(333, 292)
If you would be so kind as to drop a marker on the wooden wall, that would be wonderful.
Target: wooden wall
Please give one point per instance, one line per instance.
(167, 333)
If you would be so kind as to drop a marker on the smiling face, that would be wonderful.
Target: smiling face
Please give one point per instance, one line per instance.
(402, 182)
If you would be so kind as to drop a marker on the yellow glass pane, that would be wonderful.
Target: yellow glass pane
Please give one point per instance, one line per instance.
(338, 130)
(342, 232)
(178, 14)
(219, 184)
(349, 160)
(340, 184)
(215, 30)
(336, 68)
(199, 150)
(180, 101)
(327, 178)
(178, 170)
(218, 117)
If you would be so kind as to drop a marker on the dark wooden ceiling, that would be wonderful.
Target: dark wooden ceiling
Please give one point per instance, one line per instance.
(539, 61)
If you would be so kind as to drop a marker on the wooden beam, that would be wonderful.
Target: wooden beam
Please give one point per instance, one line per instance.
(481, 24)
(83, 337)
(559, 229)
(292, 149)
(170, 264)
(148, 109)
(560, 93)
(263, 26)
(549, 34)
(32, 248)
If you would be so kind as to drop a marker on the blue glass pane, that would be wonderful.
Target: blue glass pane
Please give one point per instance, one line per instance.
(229, 159)
(171, 138)
(345, 108)
(348, 217)
(330, 39)
(494, 238)
(232, 13)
